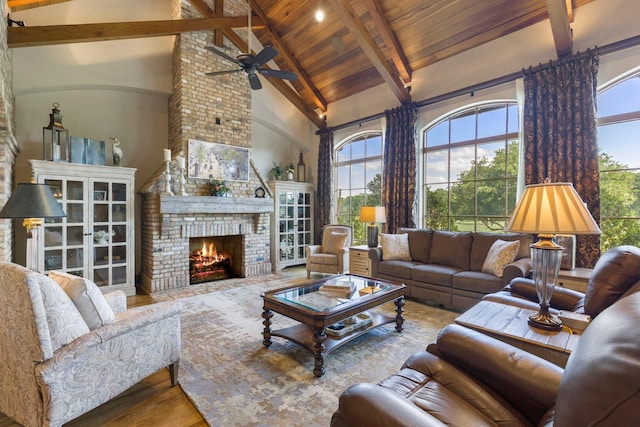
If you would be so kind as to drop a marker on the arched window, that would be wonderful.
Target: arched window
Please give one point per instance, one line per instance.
(358, 172)
(619, 162)
(470, 168)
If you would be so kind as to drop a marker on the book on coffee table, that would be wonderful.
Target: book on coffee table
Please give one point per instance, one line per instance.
(340, 289)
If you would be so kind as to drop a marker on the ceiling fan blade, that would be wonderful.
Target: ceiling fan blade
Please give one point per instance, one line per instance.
(222, 54)
(265, 55)
(254, 81)
(219, 73)
(278, 74)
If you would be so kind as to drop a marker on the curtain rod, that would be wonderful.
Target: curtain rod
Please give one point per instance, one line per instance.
(610, 48)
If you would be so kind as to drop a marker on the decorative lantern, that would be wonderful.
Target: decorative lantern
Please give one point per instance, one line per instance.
(55, 138)
(302, 177)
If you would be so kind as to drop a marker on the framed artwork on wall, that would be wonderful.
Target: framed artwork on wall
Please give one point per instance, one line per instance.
(568, 243)
(208, 160)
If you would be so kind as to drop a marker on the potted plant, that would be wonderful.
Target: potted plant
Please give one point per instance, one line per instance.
(289, 170)
(277, 171)
(219, 188)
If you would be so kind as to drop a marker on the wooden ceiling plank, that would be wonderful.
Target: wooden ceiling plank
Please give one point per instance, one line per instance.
(17, 5)
(390, 40)
(292, 63)
(559, 18)
(80, 33)
(218, 36)
(570, 11)
(367, 44)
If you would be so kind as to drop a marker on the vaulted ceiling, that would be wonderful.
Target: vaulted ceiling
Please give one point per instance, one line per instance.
(359, 44)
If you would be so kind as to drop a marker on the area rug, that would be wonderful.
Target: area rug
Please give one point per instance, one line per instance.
(233, 380)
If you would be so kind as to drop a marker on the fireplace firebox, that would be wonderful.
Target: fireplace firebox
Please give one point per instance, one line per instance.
(214, 258)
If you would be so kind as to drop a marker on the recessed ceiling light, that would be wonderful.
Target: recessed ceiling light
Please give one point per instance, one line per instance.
(319, 15)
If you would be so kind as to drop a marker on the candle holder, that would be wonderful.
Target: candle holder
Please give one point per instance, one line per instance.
(167, 180)
(182, 181)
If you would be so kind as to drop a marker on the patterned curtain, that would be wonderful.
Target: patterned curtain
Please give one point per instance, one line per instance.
(323, 192)
(399, 183)
(560, 134)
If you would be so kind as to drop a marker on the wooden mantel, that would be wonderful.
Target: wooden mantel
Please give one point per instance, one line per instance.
(214, 205)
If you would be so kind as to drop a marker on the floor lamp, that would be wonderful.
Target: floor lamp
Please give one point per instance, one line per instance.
(548, 209)
(32, 202)
(372, 214)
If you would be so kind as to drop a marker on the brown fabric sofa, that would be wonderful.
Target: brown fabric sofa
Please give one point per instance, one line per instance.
(469, 379)
(446, 267)
(615, 275)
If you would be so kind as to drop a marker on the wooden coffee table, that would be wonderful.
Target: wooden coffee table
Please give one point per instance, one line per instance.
(316, 311)
(509, 324)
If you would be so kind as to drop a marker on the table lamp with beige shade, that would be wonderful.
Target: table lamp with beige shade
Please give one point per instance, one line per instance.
(373, 215)
(548, 209)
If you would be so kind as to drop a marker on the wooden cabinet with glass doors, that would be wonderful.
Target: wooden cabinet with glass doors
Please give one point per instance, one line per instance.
(96, 239)
(292, 225)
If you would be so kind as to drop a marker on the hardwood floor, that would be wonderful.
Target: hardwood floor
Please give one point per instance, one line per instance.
(151, 402)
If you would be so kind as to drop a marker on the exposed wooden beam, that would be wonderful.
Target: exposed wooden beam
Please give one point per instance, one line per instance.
(280, 85)
(570, 10)
(292, 63)
(390, 40)
(368, 45)
(79, 33)
(559, 19)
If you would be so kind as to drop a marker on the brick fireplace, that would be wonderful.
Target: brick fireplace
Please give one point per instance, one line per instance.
(166, 248)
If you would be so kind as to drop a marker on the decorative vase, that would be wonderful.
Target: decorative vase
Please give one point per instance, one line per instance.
(289, 176)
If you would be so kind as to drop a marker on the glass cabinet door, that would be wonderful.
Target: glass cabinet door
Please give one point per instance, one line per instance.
(109, 232)
(64, 237)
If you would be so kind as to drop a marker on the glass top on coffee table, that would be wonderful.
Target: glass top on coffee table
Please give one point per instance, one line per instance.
(331, 292)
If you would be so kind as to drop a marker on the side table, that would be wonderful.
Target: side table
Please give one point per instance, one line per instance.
(359, 262)
(509, 324)
(575, 279)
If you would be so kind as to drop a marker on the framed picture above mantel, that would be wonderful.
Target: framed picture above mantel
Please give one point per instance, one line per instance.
(209, 160)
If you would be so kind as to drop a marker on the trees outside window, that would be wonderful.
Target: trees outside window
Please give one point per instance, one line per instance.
(619, 162)
(358, 170)
(470, 163)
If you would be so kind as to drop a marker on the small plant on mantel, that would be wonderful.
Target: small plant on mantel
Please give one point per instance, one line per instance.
(219, 188)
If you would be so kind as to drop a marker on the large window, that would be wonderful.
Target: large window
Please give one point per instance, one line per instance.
(470, 164)
(619, 161)
(358, 170)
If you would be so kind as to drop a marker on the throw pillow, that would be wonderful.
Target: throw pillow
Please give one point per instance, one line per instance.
(88, 299)
(335, 242)
(500, 254)
(63, 318)
(395, 247)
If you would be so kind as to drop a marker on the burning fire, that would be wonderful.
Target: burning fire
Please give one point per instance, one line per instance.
(208, 255)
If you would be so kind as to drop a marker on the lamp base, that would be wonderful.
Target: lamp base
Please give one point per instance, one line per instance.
(544, 320)
(372, 236)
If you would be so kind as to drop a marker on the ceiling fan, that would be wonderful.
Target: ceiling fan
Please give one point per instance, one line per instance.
(251, 64)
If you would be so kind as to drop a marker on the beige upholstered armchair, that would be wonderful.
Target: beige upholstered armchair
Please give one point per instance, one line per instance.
(332, 256)
(66, 350)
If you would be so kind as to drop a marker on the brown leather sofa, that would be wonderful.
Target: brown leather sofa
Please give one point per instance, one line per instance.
(469, 379)
(446, 267)
(615, 275)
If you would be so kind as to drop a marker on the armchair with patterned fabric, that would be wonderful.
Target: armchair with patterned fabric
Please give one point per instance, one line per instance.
(67, 349)
(332, 256)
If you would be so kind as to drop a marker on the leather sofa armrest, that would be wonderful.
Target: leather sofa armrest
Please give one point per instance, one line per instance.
(375, 255)
(519, 268)
(526, 381)
(561, 299)
(373, 405)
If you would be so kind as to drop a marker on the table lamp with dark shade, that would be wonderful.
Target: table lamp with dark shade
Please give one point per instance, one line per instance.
(32, 202)
(548, 209)
(372, 214)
